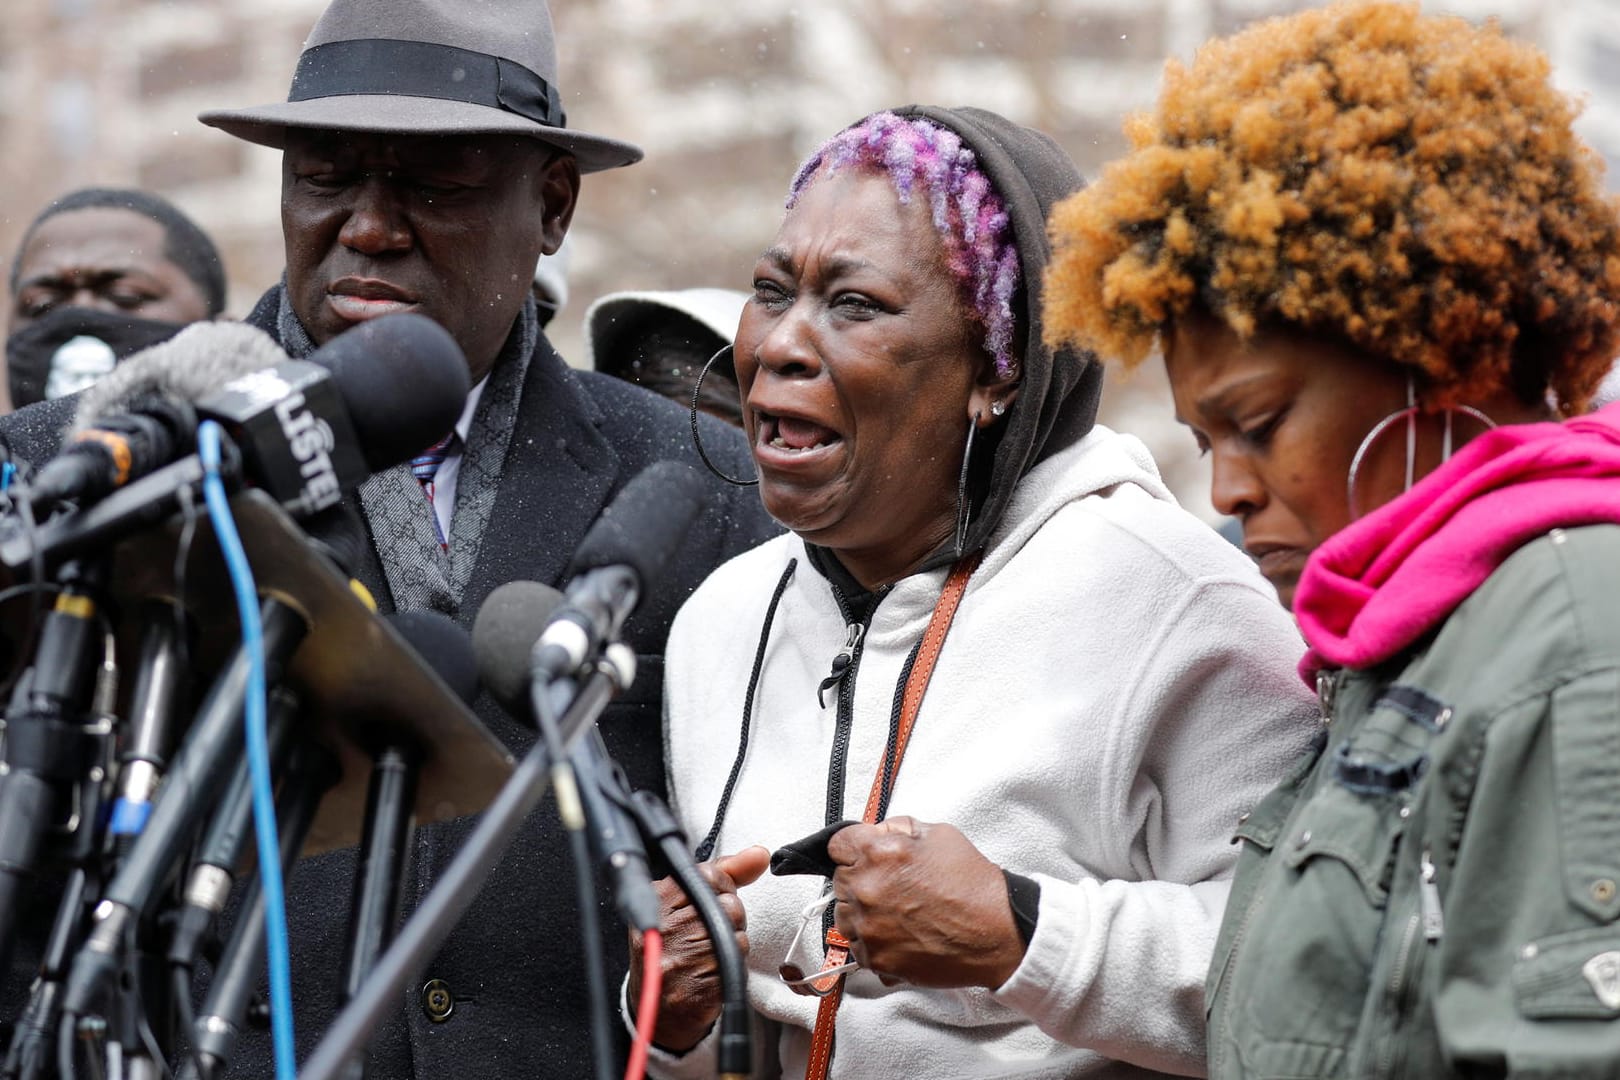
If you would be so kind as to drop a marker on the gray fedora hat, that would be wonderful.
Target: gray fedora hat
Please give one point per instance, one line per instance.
(428, 67)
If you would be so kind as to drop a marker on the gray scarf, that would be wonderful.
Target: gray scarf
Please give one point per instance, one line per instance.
(422, 575)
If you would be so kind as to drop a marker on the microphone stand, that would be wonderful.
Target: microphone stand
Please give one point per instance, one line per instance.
(735, 1053)
(451, 895)
(385, 847)
(198, 772)
(311, 772)
(48, 749)
(154, 705)
(29, 1053)
(32, 1045)
(213, 868)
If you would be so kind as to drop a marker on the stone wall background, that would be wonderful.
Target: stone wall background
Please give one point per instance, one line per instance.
(726, 98)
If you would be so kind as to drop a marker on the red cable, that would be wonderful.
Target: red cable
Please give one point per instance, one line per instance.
(652, 991)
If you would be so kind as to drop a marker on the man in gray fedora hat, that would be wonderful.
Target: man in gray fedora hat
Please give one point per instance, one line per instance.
(426, 166)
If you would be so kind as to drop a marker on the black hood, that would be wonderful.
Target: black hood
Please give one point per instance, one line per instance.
(1058, 391)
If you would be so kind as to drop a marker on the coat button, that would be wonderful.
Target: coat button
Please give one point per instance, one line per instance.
(437, 1001)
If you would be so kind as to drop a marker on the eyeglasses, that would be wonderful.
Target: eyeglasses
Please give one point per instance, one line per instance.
(823, 982)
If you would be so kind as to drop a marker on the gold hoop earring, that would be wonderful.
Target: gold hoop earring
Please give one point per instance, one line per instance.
(697, 440)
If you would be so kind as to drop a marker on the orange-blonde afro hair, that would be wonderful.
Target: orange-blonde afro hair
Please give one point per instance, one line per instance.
(1408, 185)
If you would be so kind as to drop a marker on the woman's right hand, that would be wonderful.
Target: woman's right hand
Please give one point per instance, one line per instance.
(691, 999)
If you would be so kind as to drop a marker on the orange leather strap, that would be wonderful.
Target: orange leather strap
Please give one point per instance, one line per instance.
(922, 669)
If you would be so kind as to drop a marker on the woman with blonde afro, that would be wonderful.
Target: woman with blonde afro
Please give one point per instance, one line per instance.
(1380, 268)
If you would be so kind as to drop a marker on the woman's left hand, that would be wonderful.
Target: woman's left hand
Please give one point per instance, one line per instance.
(921, 905)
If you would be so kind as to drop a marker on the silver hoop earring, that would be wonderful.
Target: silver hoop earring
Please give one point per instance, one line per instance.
(697, 440)
(963, 507)
(1410, 415)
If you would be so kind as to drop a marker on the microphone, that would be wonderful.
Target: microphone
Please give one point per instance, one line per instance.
(628, 547)
(391, 797)
(312, 770)
(197, 773)
(443, 646)
(139, 417)
(308, 429)
(400, 382)
(509, 624)
(367, 400)
(625, 550)
(213, 868)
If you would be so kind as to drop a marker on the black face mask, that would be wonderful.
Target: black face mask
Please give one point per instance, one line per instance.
(70, 348)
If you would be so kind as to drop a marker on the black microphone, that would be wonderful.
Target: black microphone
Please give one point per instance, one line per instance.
(624, 552)
(312, 770)
(509, 624)
(197, 774)
(308, 429)
(367, 400)
(627, 547)
(213, 868)
(373, 398)
(390, 824)
(142, 415)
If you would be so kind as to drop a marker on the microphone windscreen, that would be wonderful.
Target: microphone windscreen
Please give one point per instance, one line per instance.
(508, 624)
(443, 646)
(645, 524)
(339, 530)
(188, 367)
(404, 383)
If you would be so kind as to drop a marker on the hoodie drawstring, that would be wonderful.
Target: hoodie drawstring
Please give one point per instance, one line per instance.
(706, 848)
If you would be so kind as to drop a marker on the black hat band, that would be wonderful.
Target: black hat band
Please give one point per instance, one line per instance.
(424, 69)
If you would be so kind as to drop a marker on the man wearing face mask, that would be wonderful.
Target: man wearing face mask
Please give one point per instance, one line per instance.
(100, 274)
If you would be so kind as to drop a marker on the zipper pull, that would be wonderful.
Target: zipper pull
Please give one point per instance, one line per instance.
(1327, 688)
(1434, 923)
(841, 662)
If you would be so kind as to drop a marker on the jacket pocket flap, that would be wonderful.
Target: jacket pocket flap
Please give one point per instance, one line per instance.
(1570, 976)
(1358, 831)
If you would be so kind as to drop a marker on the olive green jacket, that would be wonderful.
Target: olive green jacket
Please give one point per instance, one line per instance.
(1432, 892)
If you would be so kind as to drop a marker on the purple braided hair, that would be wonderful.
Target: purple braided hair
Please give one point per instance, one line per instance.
(980, 247)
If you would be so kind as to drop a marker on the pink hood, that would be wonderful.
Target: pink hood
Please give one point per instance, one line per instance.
(1380, 584)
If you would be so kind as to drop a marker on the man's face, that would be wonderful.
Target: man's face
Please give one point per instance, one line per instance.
(448, 226)
(105, 258)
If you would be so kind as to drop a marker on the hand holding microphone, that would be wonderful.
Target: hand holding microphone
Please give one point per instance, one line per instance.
(621, 556)
(693, 988)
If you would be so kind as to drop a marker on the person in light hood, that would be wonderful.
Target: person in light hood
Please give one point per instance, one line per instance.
(998, 700)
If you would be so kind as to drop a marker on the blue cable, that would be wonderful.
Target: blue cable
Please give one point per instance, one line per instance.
(258, 750)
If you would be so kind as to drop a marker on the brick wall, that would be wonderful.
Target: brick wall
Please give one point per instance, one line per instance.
(725, 102)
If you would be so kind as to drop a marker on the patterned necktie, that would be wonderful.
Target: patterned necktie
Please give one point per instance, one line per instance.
(425, 466)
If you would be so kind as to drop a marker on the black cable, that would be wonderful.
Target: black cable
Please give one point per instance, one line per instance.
(180, 977)
(149, 1040)
(180, 987)
(735, 1052)
(8, 595)
(565, 784)
(92, 1061)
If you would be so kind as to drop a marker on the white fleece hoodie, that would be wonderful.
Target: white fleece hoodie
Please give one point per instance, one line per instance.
(1117, 689)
